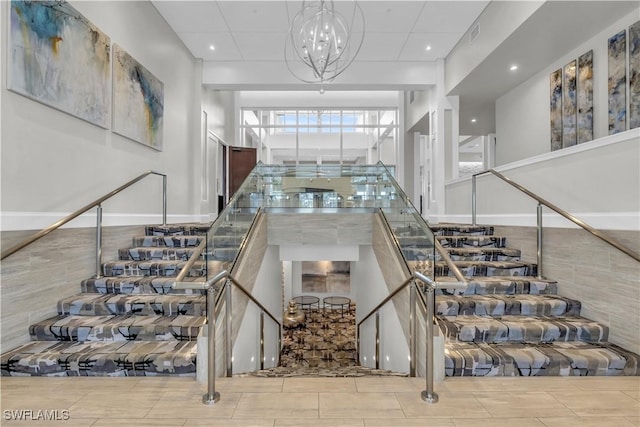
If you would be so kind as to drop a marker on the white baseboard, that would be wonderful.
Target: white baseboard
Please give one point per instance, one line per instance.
(597, 220)
(14, 221)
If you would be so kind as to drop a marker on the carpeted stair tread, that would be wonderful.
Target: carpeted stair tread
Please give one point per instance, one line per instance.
(167, 241)
(137, 285)
(461, 230)
(196, 229)
(141, 305)
(500, 305)
(483, 254)
(151, 268)
(99, 358)
(483, 241)
(178, 254)
(508, 285)
(117, 328)
(472, 328)
(488, 268)
(543, 359)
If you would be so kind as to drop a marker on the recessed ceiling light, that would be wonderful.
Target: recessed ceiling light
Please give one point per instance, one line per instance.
(212, 47)
(428, 47)
(473, 120)
(513, 67)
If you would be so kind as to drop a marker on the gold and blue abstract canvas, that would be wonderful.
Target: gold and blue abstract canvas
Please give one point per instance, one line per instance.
(569, 105)
(555, 105)
(59, 58)
(138, 101)
(617, 48)
(585, 97)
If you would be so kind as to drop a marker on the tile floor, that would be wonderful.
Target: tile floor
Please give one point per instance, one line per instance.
(339, 402)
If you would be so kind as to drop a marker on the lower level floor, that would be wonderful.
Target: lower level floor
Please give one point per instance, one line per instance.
(317, 401)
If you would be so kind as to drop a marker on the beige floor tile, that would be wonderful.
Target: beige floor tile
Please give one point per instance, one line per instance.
(416, 422)
(249, 385)
(359, 405)
(190, 406)
(608, 383)
(53, 384)
(388, 384)
(167, 384)
(82, 422)
(122, 422)
(225, 422)
(450, 405)
(633, 393)
(277, 405)
(36, 399)
(498, 422)
(593, 403)
(499, 384)
(508, 404)
(327, 422)
(635, 421)
(335, 385)
(586, 422)
(100, 404)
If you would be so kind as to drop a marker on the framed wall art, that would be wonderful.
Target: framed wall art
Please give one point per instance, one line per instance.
(331, 277)
(585, 97)
(569, 105)
(138, 101)
(57, 57)
(555, 104)
(617, 82)
(634, 75)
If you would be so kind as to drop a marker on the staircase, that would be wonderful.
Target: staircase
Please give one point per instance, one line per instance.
(510, 323)
(129, 322)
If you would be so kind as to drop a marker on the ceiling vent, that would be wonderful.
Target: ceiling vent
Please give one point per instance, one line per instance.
(474, 33)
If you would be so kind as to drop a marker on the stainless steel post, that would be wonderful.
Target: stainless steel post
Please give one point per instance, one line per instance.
(473, 200)
(211, 396)
(429, 395)
(229, 320)
(164, 200)
(377, 340)
(98, 242)
(539, 212)
(261, 340)
(413, 339)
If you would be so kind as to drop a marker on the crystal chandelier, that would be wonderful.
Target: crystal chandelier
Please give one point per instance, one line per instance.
(321, 43)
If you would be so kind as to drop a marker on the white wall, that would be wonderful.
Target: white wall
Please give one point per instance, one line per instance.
(522, 114)
(53, 163)
(220, 107)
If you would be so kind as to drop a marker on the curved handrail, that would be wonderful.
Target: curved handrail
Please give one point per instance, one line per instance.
(404, 284)
(84, 209)
(599, 234)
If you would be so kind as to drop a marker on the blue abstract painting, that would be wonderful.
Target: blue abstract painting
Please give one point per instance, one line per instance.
(138, 101)
(555, 105)
(59, 58)
(585, 97)
(617, 83)
(634, 75)
(569, 106)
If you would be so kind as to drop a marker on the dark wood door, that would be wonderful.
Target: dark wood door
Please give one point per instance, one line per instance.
(241, 162)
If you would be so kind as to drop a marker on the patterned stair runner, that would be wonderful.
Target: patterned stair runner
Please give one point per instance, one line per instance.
(508, 322)
(131, 321)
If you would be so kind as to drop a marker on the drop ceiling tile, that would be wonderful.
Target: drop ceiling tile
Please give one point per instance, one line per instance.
(449, 16)
(441, 44)
(390, 17)
(261, 46)
(191, 16)
(198, 44)
(255, 16)
(381, 46)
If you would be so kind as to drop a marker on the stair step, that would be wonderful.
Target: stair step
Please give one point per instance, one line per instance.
(462, 230)
(177, 229)
(98, 358)
(483, 254)
(488, 268)
(151, 268)
(141, 305)
(472, 241)
(534, 329)
(507, 285)
(117, 328)
(137, 285)
(548, 359)
(500, 305)
(167, 241)
(179, 254)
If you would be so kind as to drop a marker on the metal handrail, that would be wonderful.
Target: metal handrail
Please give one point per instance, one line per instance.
(452, 265)
(84, 209)
(397, 246)
(395, 292)
(597, 233)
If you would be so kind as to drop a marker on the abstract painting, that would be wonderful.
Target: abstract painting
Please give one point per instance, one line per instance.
(59, 58)
(634, 75)
(585, 97)
(569, 105)
(138, 101)
(617, 83)
(555, 104)
(326, 277)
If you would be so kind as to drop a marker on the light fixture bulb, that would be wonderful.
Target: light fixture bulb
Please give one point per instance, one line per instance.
(473, 120)
(212, 47)
(513, 67)
(428, 47)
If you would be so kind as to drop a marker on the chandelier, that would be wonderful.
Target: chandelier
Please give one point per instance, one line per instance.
(321, 43)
